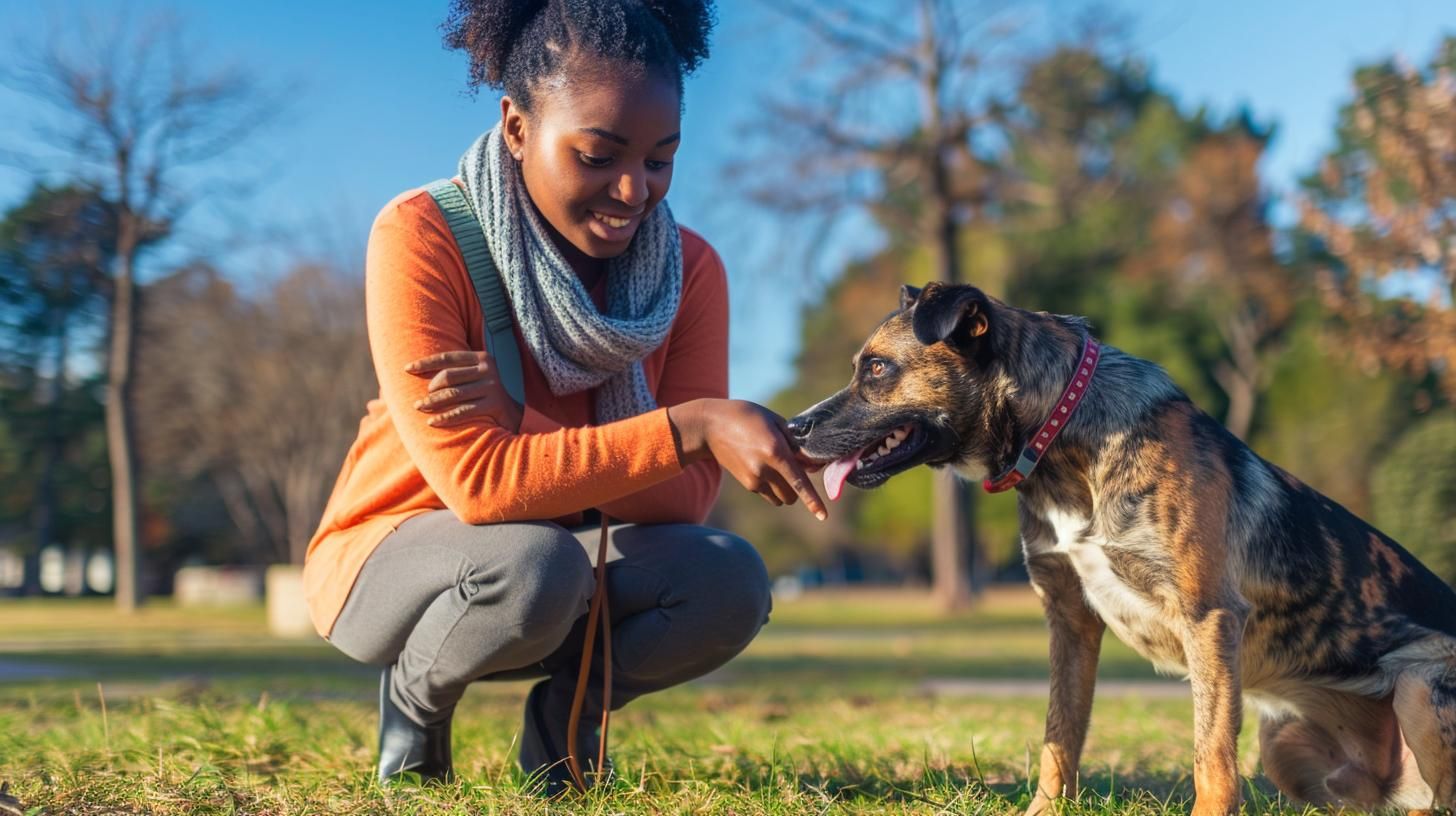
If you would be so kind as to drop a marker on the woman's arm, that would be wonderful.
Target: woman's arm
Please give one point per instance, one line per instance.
(416, 292)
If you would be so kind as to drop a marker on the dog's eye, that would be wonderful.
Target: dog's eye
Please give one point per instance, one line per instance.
(877, 367)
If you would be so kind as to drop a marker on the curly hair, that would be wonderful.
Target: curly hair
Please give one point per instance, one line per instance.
(514, 45)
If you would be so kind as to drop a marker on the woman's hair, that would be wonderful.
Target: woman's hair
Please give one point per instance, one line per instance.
(514, 45)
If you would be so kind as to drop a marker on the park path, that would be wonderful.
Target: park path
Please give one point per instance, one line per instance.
(12, 670)
(974, 687)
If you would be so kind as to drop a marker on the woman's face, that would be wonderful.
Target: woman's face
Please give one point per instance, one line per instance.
(597, 155)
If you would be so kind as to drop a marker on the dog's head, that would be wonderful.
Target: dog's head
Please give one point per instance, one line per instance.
(922, 387)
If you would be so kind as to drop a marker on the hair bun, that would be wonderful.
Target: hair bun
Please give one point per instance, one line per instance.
(688, 24)
(487, 30)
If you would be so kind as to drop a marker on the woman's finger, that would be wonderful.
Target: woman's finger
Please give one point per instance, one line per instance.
(793, 474)
(455, 376)
(445, 359)
(461, 414)
(780, 487)
(451, 417)
(450, 395)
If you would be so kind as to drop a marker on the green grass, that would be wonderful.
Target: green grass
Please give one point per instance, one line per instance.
(188, 711)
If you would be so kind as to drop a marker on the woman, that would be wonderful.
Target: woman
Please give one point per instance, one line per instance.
(456, 545)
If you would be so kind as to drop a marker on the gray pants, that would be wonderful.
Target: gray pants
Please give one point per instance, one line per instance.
(449, 603)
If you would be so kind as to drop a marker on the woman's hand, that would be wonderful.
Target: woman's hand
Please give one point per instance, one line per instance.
(465, 387)
(751, 443)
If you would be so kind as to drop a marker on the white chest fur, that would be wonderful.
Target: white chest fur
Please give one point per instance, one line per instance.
(1137, 618)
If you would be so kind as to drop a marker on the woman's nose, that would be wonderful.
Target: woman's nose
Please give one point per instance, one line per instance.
(632, 189)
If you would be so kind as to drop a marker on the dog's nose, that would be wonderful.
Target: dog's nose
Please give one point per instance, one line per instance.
(801, 425)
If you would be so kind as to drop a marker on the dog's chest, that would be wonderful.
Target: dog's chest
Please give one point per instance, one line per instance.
(1107, 569)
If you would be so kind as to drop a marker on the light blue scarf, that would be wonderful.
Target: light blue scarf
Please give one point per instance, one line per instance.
(577, 346)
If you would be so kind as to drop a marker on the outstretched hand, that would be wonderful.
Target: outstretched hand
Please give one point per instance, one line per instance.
(752, 443)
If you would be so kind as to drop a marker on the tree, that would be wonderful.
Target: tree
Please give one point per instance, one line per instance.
(139, 117)
(1298, 418)
(1212, 247)
(255, 394)
(1091, 146)
(1384, 204)
(915, 170)
(1414, 489)
(54, 248)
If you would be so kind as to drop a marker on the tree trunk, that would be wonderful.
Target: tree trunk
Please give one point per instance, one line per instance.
(119, 447)
(953, 539)
(1240, 375)
(1243, 397)
(953, 535)
(952, 542)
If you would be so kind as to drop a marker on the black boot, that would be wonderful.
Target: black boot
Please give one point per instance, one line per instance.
(407, 746)
(545, 761)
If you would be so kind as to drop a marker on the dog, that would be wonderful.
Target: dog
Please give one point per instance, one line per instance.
(1142, 514)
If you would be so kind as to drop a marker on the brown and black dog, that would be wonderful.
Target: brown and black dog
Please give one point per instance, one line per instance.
(1146, 516)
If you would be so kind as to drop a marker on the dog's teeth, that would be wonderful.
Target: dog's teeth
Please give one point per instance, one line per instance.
(884, 449)
(898, 435)
(892, 443)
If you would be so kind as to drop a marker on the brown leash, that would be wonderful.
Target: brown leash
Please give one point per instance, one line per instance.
(598, 610)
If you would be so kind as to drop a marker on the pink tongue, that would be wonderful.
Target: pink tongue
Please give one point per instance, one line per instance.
(836, 472)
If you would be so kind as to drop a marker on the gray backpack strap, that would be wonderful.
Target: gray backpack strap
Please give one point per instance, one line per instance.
(500, 340)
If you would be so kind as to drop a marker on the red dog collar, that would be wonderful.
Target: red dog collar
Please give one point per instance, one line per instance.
(1071, 398)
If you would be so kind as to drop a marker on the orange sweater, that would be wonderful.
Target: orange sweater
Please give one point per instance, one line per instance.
(420, 301)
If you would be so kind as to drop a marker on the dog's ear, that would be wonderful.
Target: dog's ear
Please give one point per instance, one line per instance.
(956, 315)
(908, 295)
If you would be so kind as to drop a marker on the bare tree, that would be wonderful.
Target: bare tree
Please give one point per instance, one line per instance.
(892, 132)
(256, 394)
(141, 116)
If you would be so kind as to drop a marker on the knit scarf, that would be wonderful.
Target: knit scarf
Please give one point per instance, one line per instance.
(575, 345)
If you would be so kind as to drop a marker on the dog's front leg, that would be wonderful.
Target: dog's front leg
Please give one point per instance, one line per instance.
(1076, 640)
(1214, 634)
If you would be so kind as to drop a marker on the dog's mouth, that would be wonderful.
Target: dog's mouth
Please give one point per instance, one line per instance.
(875, 463)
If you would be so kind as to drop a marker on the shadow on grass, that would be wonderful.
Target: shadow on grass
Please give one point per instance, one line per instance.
(958, 787)
(796, 669)
(988, 625)
(871, 668)
(324, 671)
(319, 672)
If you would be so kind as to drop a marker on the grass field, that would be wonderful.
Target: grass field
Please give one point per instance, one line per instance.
(847, 703)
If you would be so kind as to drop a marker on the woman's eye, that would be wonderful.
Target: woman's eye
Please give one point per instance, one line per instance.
(653, 164)
(595, 161)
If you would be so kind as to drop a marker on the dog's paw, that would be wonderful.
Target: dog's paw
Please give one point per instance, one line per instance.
(1041, 805)
(1202, 806)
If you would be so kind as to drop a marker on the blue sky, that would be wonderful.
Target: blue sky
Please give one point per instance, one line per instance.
(381, 108)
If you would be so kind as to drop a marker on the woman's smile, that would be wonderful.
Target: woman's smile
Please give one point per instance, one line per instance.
(614, 227)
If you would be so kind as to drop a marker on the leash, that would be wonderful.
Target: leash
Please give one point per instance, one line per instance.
(598, 610)
(1072, 397)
